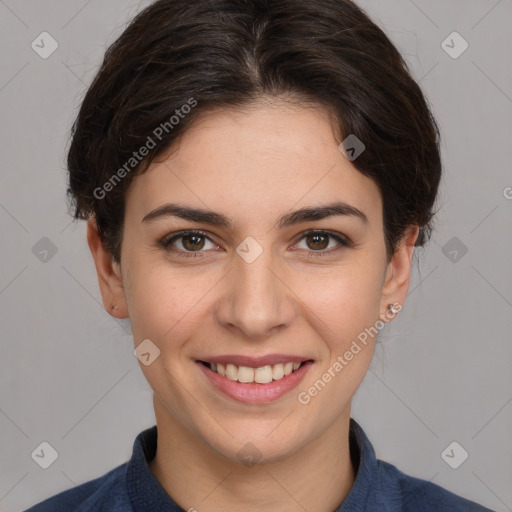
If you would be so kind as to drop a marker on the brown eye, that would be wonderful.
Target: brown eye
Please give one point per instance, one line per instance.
(192, 242)
(186, 242)
(319, 242)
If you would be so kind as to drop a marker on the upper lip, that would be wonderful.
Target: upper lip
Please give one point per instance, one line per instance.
(255, 362)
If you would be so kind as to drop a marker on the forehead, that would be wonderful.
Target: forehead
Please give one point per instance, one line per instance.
(259, 160)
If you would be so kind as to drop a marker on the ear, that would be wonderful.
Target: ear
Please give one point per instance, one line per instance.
(398, 274)
(109, 273)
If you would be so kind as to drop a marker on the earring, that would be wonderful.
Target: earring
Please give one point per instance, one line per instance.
(113, 307)
(393, 309)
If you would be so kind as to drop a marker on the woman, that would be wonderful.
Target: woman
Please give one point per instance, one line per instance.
(255, 175)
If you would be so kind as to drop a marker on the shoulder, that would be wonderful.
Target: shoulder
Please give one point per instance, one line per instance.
(106, 493)
(417, 495)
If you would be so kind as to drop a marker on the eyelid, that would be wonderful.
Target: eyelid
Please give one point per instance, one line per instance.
(340, 237)
(343, 240)
(167, 239)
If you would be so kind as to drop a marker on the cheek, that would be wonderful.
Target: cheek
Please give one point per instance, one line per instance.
(350, 311)
(345, 301)
(156, 300)
(167, 304)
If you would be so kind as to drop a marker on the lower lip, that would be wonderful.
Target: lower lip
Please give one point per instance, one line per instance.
(254, 393)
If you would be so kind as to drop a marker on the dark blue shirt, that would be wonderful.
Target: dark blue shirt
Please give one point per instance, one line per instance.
(378, 487)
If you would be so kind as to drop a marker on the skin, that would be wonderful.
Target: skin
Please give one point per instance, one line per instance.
(254, 165)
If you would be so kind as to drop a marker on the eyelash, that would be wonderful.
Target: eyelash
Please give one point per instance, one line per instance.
(169, 239)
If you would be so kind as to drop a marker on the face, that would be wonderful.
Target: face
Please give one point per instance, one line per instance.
(253, 287)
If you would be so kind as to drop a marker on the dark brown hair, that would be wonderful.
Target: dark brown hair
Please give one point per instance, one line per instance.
(178, 59)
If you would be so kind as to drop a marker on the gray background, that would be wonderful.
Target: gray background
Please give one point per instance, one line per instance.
(442, 372)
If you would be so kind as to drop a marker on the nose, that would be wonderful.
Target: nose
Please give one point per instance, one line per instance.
(256, 300)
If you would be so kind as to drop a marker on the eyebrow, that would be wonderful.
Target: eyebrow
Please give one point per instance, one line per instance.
(203, 216)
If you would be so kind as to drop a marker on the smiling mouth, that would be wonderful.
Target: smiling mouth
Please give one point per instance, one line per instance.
(261, 375)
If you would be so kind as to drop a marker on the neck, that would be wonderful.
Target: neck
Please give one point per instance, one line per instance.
(317, 477)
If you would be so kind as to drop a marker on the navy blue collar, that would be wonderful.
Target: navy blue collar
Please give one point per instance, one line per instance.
(147, 495)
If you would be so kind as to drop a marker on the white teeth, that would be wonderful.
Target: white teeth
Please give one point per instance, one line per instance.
(231, 372)
(261, 375)
(288, 368)
(245, 374)
(278, 371)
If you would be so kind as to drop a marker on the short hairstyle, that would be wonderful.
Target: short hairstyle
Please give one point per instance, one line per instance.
(178, 59)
